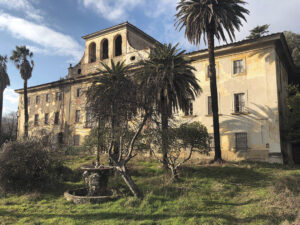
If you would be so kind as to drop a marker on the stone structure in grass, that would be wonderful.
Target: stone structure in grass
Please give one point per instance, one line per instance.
(96, 190)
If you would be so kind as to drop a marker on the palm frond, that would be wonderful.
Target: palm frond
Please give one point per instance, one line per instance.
(200, 17)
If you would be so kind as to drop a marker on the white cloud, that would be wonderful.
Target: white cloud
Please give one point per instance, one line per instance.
(24, 6)
(157, 8)
(49, 41)
(112, 10)
(10, 101)
(281, 16)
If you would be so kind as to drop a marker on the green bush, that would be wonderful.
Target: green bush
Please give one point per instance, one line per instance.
(27, 165)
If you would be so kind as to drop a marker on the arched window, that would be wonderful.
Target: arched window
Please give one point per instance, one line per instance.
(92, 52)
(104, 49)
(118, 46)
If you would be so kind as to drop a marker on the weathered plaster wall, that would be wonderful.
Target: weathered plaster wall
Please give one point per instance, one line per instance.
(259, 83)
(264, 84)
(133, 45)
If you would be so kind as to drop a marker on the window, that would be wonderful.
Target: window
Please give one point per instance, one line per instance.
(46, 118)
(76, 140)
(209, 105)
(88, 119)
(208, 72)
(78, 92)
(37, 99)
(238, 66)
(241, 142)
(47, 97)
(189, 111)
(28, 101)
(104, 48)
(36, 119)
(92, 52)
(58, 96)
(77, 116)
(56, 118)
(118, 46)
(79, 71)
(60, 138)
(239, 103)
(211, 142)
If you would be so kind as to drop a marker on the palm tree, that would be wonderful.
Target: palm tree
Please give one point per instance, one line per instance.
(211, 19)
(19, 57)
(107, 96)
(4, 82)
(114, 101)
(259, 31)
(170, 78)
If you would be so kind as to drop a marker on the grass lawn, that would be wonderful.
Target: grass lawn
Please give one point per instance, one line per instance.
(234, 193)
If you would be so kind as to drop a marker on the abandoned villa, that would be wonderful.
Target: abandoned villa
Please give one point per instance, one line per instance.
(252, 79)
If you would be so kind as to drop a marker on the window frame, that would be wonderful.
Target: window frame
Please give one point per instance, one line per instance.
(241, 147)
(37, 100)
(77, 116)
(104, 54)
(46, 119)
(58, 96)
(36, 119)
(56, 118)
(76, 140)
(236, 99)
(88, 118)
(190, 111)
(92, 52)
(116, 53)
(209, 103)
(244, 66)
(78, 92)
(47, 98)
(207, 77)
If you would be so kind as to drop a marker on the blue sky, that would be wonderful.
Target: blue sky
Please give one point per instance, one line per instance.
(52, 29)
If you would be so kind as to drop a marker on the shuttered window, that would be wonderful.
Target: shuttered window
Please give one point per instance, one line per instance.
(239, 103)
(77, 116)
(209, 105)
(238, 66)
(189, 111)
(47, 97)
(36, 119)
(37, 99)
(241, 142)
(46, 118)
(88, 118)
(56, 118)
(76, 140)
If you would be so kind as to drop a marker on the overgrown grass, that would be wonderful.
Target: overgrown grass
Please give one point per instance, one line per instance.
(235, 193)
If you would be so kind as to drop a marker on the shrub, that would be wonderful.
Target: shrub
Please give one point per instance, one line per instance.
(26, 165)
(183, 141)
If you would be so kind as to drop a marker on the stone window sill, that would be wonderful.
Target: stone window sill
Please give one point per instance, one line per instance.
(240, 113)
(211, 115)
(190, 116)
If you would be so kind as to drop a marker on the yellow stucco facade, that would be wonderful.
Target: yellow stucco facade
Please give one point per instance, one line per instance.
(252, 79)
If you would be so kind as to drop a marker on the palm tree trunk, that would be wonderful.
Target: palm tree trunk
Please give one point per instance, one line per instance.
(164, 123)
(214, 95)
(25, 110)
(1, 108)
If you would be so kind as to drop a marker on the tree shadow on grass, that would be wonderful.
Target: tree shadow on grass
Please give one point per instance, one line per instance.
(228, 174)
(93, 217)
